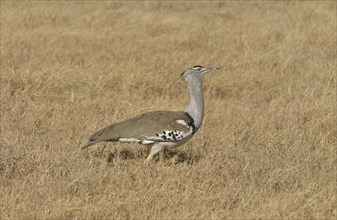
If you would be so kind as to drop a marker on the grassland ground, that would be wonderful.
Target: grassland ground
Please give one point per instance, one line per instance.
(267, 146)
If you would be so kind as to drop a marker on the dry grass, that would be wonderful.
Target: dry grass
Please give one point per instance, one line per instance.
(267, 148)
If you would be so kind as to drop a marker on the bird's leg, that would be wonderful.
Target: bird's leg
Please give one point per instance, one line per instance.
(154, 150)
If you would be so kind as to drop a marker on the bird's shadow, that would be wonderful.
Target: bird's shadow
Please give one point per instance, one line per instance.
(168, 157)
(179, 157)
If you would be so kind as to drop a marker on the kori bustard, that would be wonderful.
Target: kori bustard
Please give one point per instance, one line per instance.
(161, 129)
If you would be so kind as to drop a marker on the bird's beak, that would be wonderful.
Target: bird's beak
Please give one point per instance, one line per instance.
(214, 68)
(209, 69)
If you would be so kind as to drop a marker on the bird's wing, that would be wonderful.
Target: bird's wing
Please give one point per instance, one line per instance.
(156, 126)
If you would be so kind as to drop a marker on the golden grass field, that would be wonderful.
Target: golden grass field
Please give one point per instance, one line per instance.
(266, 149)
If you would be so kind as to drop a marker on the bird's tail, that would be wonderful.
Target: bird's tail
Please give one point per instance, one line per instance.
(89, 144)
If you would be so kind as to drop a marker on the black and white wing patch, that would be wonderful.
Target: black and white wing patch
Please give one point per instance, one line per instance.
(168, 135)
(172, 135)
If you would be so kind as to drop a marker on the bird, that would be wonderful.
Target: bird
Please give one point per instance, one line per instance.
(161, 129)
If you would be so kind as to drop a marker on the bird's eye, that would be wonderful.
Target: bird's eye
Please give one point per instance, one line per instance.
(198, 68)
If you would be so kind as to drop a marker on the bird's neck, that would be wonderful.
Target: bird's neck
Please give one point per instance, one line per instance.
(196, 106)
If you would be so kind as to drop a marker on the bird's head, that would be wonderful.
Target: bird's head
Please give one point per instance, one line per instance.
(197, 72)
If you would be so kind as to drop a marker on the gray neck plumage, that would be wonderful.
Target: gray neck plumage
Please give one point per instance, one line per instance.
(196, 106)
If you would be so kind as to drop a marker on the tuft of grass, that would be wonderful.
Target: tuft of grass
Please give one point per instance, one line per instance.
(267, 147)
